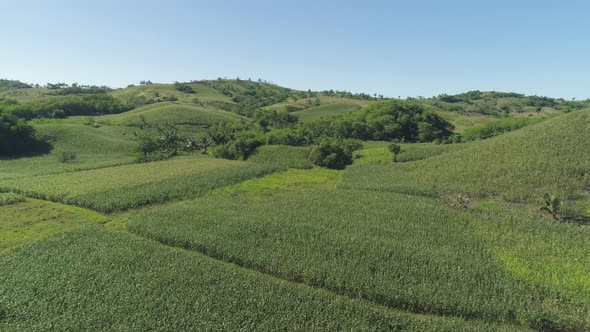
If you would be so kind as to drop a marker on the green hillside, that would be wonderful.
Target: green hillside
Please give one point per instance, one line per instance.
(523, 165)
(91, 147)
(327, 110)
(170, 112)
(244, 205)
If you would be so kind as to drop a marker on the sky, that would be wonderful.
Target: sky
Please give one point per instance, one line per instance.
(394, 48)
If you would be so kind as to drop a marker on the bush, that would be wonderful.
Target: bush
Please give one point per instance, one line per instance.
(66, 156)
(335, 154)
(163, 145)
(184, 88)
(18, 138)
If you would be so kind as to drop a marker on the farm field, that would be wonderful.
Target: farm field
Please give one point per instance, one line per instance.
(123, 187)
(244, 205)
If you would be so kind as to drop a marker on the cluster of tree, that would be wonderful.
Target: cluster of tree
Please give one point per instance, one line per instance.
(182, 87)
(148, 82)
(391, 121)
(165, 143)
(18, 138)
(334, 153)
(350, 95)
(13, 84)
(76, 89)
(537, 101)
(59, 107)
(250, 96)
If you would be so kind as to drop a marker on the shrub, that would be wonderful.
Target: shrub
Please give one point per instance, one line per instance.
(395, 149)
(184, 88)
(552, 205)
(335, 154)
(163, 145)
(18, 138)
(66, 156)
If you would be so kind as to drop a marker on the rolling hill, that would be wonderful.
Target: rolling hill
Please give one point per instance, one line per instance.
(170, 112)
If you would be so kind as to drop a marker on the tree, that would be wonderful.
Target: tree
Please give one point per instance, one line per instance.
(18, 138)
(335, 154)
(163, 145)
(395, 149)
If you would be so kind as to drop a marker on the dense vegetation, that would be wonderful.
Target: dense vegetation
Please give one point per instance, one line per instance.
(458, 213)
(59, 107)
(18, 138)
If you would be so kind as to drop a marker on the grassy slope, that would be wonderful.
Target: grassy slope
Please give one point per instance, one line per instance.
(282, 155)
(521, 165)
(327, 110)
(94, 147)
(153, 91)
(95, 279)
(33, 219)
(170, 112)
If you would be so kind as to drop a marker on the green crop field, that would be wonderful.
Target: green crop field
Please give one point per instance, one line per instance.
(129, 186)
(183, 207)
(141, 285)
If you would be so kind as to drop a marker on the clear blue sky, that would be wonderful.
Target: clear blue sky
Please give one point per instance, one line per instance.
(395, 48)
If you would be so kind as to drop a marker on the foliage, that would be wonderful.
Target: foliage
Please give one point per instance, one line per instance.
(13, 84)
(391, 120)
(92, 104)
(552, 205)
(164, 144)
(184, 88)
(335, 154)
(53, 285)
(18, 138)
(540, 101)
(268, 119)
(395, 149)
